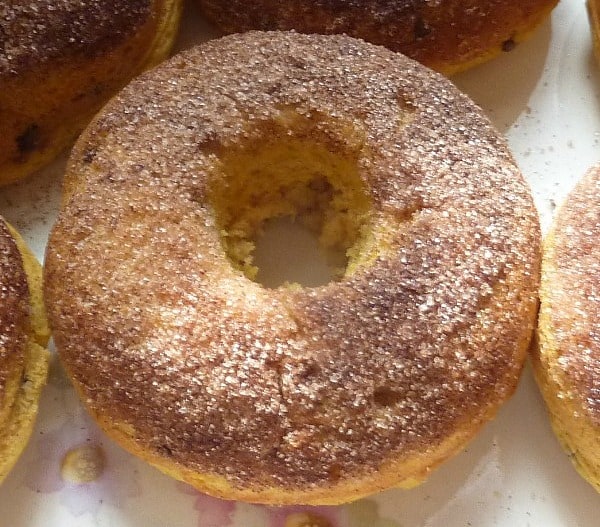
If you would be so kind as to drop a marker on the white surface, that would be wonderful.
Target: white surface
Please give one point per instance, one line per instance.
(545, 97)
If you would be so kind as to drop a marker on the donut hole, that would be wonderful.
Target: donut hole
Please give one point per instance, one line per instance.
(287, 251)
(305, 196)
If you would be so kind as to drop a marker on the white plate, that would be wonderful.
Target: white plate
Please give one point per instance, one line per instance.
(544, 96)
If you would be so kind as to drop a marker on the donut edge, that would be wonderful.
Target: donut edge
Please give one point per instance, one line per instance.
(417, 468)
(462, 62)
(63, 136)
(15, 436)
(577, 435)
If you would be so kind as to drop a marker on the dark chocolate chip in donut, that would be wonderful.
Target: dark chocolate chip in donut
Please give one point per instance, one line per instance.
(421, 28)
(509, 45)
(29, 140)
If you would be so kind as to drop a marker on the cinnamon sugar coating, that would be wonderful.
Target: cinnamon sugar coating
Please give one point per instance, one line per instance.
(574, 295)
(567, 360)
(14, 311)
(61, 60)
(34, 32)
(307, 389)
(23, 333)
(446, 35)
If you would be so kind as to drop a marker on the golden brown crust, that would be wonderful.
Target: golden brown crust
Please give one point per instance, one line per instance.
(593, 9)
(23, 335)
(60, 60)
(14, 315)
(446, 35)
(40, 31)
(574, 293)
(315, 395)
(567, 362)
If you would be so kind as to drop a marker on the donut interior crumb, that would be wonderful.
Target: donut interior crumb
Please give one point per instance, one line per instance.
(293, 177)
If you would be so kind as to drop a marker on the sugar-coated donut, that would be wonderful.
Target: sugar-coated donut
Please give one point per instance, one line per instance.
(567, 360)
(446, 35)
(60, 60)
(23, 337)
(293, 395)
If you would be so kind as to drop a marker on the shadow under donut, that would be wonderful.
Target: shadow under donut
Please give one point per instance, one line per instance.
(503, 86)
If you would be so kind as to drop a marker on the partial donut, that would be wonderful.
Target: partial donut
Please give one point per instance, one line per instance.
(593, 9)
(61, 60)
(446, 35)
(293, 395)
(23, 336)
(567, 361)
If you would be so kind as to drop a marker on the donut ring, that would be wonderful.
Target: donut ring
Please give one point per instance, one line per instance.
(60, 61)
(567, 360)
(24, 334)
(293, 395)
(446, 35)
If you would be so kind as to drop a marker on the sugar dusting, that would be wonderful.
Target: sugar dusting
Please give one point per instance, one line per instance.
(443, 34)
(342, 377)
(14, 313)
(35, 31)
(572, 292)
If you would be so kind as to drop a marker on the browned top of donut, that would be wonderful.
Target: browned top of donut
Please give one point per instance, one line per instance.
(295, 387)
(574, 290)
(14, 306)
(438, 33)
(33, 32)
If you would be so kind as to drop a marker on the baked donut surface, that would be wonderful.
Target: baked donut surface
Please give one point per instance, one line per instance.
(23, 334)
(446, 35)
(60, 60)
(567, 361)
(593, 10)
(293, 395)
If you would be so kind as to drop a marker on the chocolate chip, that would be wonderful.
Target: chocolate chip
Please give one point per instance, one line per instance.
(29, 140)
(89, 155)
(509, 45)
(421, 28)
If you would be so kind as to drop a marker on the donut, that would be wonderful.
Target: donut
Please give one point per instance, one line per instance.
(293, 394)
(593, 9)
(23, 336)
(447, 35)
(61, 60)
(567, 359)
